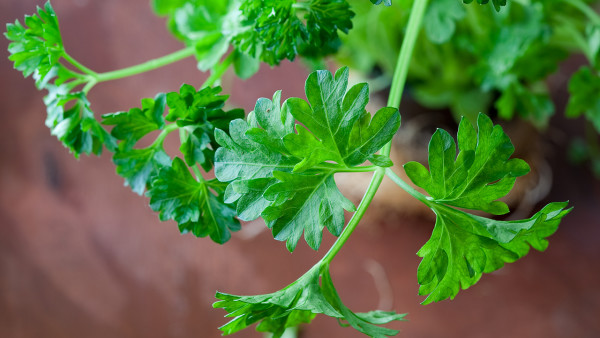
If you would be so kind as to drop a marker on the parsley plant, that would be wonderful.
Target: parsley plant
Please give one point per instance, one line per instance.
(279, 161)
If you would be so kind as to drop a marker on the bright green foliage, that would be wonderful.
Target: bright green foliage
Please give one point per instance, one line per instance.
(139, 166)
(463, 246)
(298, 303)
(72, 121)
(497, 3)
(386, 2)
(196, 205)
(440, 19)
(287, 177)
(38, 47)
(584, 88)
(199, 113)
(133, 125)
(278, 30)
(480, 174)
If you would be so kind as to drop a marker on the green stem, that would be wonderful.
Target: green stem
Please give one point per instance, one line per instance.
(78, 65)
(219, 71)
(405, 186)
(399, 79)
(408, 45)
(146, 66)
(586, 10)
(169, 128)
(353, 223)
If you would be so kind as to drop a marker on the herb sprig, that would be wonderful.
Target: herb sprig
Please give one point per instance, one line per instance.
(279, 162)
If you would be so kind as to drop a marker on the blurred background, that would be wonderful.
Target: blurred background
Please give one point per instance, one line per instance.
(83, 256)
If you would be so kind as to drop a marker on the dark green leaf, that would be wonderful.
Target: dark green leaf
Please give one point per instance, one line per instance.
(192, 204)
(298, 303)
(287, 177)
(584, 87)
(139, 166)
(497, 3)
(462, 247)
(72, 121)
(133, 125)
(480, 174)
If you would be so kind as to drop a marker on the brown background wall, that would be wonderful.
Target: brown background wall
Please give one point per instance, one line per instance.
(82, 256)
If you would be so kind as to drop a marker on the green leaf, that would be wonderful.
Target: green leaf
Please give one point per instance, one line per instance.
(517, 99)
(462, 247)
(133, 125)
(386, 2)
(497, 3)
(299, 303)
(36, 47)
(275, 30)
(72, 121)
(440, 19)
(199, 113)
(304, 203)
(139, 166)
(584, 87)
(164, 7)
(480, 174)
(287, 176)
(245, 65)
(192, 204)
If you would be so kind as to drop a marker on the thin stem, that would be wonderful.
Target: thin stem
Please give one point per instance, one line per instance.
(586, 10)
(353, 223)
(399, 79)
(78, 65)
(405, 186)
(219, 71)
(169, 128)
(198, 174)
(408, 45)
(147, 66)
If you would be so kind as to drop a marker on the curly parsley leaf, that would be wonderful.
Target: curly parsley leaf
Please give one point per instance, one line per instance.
(299, 303)
(197, 206)
(584, 87)
(287, 176)
(72, 121)
(37, 47)
(139, 166)
(277, 30)
(462, 247)
(133, 125)
(497, 3)
(480, 174)
(199, 113)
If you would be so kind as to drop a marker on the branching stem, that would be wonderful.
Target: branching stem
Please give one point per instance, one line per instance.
(399, 80)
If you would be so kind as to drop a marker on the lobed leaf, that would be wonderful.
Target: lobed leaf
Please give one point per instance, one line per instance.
(36, 47)
(480, 174)
(584, 87)
(178, 196)
(71, 120)
(299, 303)
(462, 247)
(287, 177)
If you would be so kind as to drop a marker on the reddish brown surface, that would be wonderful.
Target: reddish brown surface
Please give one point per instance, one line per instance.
(82, 256)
